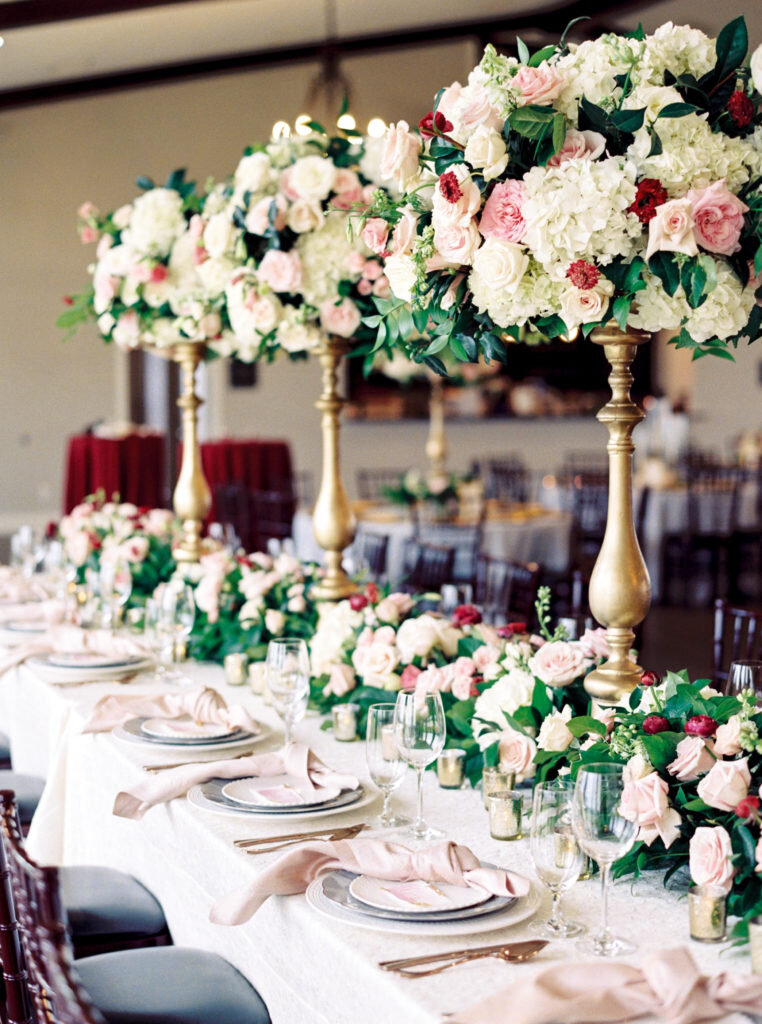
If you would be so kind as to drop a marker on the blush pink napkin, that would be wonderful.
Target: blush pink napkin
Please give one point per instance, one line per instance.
(47, 613)
(67, 639)
(668, 985)
(202, 704)
(293, 872)
(297, 760)
(15, 587)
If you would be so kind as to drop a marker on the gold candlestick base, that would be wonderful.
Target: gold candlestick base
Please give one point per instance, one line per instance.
(191, 498)
(333, 520)
(436, 444)
(620, 588)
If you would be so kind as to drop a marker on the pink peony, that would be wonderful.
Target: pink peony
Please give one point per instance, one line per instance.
(710, 853)
(726, 784)
(342, 319)
(399, 159)
(645, 802)
(693, 758)
(717, 218)
(375, 234)
(579, 146)
(538, 85)
(516, 753)
(502, 217)
(282, 271)
(727, 739)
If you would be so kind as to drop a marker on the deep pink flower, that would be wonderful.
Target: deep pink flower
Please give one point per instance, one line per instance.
(701, 725)
(357, 602)
(654, 724)
(649, 679)
(511, 629)
(466, 615)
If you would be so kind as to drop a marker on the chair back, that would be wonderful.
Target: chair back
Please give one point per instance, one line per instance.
(233, 509)
(272, 516)
(55, 993)
(506, 590)
(426, 567)
(713, 501)
(737, 637)
(371, 482)
(464, 538)
(505, 477)
(370, 551)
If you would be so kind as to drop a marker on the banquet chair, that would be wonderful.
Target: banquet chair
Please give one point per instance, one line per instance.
(507, 480)
(134, 986)
(589, 508)
(505, 590)
(272, 516)
(371, 482)
(5, 751)
(425, 567)
(370, 553)
(745, 547)
(464, 538)
(234, 510)
(28, 790)
(737, 636)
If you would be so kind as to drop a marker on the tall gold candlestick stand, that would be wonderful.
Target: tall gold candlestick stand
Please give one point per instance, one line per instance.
(620, 588)
(333, 521)
(436, 445)
(192, 498)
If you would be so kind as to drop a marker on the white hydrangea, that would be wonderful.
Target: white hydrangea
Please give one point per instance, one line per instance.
(579, 211)
(294, 335)
(506, 696)
(677, 48)
(163, 332)
(591, 68)
(253, 174)
(252, 314)
(324, 254)
(157, 221)
(537, 294)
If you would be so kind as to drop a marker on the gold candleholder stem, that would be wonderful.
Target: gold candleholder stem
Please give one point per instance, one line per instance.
(333, 521)
(192, 498)
(620, 588)
(436, 445)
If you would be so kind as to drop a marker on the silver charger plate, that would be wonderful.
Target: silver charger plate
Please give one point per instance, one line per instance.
(209, 797)
(74, 675)
(130, 732)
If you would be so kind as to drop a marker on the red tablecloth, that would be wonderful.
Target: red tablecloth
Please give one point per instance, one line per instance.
(132, 466)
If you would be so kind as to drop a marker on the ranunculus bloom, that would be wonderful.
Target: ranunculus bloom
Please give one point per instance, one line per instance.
(645, 802)
(516, 753)
(654, 724)
(649, 679)
(511, 629)
(700, 725)
(357, 602)
(559, 663)
(502, 217)
(747, 807)
(466, 615)
(692, 758)
(727, 740)
(726, 784)
(717, 218)
(538, 85)
(709, 857)
(671, 229)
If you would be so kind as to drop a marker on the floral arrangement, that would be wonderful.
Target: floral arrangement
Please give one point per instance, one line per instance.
(243, 601)
(98, 531)
(415, 486)
(618, 178)
(693, 773)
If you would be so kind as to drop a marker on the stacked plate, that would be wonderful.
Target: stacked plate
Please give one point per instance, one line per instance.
(416, 908)
(281, 796)
(86, 667)
(20, 631)
(183, 731)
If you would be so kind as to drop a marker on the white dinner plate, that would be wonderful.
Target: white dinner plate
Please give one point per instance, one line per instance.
(208, 796)
(26, 626)
(91, 659)
(131, 732)
(416, 897)
(185, 728)
(519, 910)
(283, 791)
(74, 675)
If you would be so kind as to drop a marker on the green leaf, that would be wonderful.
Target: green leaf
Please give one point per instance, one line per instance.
(436, 365)
(661, 748)
(629, 120)
(145, 183)
(542, 55)
(656, 145)
(595, 117)
(523, 50)
(710, 269)
(562, 41)
(677, 110)
(541, 702)
(732, 45)
(758, 261)
(621, 310)
(583, 724)
(532, 122)
(559, 133)
(664, 265)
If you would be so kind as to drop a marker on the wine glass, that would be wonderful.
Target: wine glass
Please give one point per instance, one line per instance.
(385, 766)
(115, 585)
(419, 732)
(555, 852)
(158, 634)
(178, 613)
(288, 680)
(605, 835)
(453, 596)
(744, 675)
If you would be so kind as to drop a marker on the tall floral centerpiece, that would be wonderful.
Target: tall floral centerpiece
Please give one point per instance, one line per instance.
(610, 188)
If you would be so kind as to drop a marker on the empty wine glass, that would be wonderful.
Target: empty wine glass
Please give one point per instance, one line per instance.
(605, 835)
(115, 585)
(420, 730)
(178, 613)
(385, 766)
(744, 675)
(288, 680)
(157, 632)
(555, 852)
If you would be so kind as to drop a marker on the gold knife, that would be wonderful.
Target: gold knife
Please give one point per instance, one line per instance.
(513, 948)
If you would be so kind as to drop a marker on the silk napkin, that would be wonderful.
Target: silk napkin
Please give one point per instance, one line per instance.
(47, 612)
(202, 704)
(292, 873)
(67, 639)
(668, 985)
(296, 759)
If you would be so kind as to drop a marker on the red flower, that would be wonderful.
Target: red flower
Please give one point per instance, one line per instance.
(583, 274)
(434, 124)
(654, 724)
(649, 679)
(450, 187)
(51, 530)
(357, 602)
(651, 193)
(748, 807)
(466, 615)
(740, 108)
(701, 725)
(371, 592)
(68, 300)
(511, 629)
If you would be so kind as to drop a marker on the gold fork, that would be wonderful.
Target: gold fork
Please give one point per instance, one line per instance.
(515, 952)
(153, 768)
(342, 833)
(298, 836)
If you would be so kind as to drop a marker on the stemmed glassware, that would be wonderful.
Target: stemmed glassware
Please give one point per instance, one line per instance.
(385, 766)
(288, 680)
(115, 586)
(605, 835)
(178, 611)
(556, 853)
(420, 730)
(744, 675)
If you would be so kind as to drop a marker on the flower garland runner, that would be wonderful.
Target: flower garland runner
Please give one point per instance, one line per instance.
(694, 774)
(618, 178)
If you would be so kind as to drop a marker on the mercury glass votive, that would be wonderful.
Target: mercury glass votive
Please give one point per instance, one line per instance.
(345, 721)
(755, 944)
(495, 780)
(257, 676)
(236, 668)
(707, 908)
(505, 812)
(451, 768)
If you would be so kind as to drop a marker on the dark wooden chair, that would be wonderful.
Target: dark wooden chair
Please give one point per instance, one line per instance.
(589, 501)
(142, 986)
(505, 477)
(370, 553)
(737, 636)
(464, 538)
(505, 590)
(372, 482)
(425, 567)
(745, 547)
(272, 516)
(234, 511)
(5, 751)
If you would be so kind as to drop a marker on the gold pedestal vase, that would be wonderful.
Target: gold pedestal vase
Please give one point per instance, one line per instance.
(620, 587)
(333, 521)
(436, 445)
(191, 498)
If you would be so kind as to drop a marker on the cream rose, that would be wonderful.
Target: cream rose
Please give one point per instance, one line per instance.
(559, 663)
(399, 160)
(416, 637)
(585, 305)
(554, 734)
(485, 150)
(341, 681)
(671, 229)
(304, 215)
(645, 802)
(709, 857)
(501, 263)
(516, 753)
(726, 784)
(456, 243)
(457, 198)
(405, 232)
(252, 173)
(693, 758)
(312, 177)
(377, 662)
(401, 273)
(727, 739)
(387, 611)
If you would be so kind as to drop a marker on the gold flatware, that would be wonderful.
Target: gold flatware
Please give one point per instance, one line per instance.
(183, 764)
(341, 833)
(299, 836)
(510, 952)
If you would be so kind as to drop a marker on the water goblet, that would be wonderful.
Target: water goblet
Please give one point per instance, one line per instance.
(115, 586)
(744, 675)
(157, 632)
(605, 835)
(420, 730)
(385, 765)
(288, 680)
(178, 613)
(556, 853)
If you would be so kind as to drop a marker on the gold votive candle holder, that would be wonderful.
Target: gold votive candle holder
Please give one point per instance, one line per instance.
(345, 722)
(494, 780)
(236, 668)
(505, 809)
(707, 908)
(451, 768)
(755, 944)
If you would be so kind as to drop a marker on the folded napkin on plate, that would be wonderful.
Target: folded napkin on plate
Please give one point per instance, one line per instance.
(293, 872)
(47, 612)
(203, 705)
(668, 985)
(296, 759)
(15, 587)
(67, 639)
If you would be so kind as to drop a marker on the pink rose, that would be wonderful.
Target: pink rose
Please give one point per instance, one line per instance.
(402, 602)
(384, 635)
(516, 753)
(258, 217)
(502, 217)
(409, 677)
(595, 643)
(717, 218)
(135, 549)
(387, 611)
(693, 758)
(381, 287)
(207, 595)
(605, 715)
(282, 271)
(157, 521)
(87, 210)
(477, 110)
(559, 663)
(355, 262)
(430, 680)
(709, 857)
(645, 802)
(342, 319)
(671, 229)
(727, 738)
(405, 232)
(457, 245)
(538, 85)
(88, 234)
(578, 146)
(340, 682)
(78, 548)
(375, 234)
(399, 159)
(448, 101)
(726, 784)
(456, 198)
(372, 270)
(485, 656)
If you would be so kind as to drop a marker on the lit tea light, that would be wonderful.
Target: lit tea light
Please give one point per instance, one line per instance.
(388, 746)
(345, 721)
(505, 811)
(451, 768)
(494, 780)
(236, 668)
(707, 908)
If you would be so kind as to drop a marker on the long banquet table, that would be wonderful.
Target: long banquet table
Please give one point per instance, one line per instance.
(309, 970)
